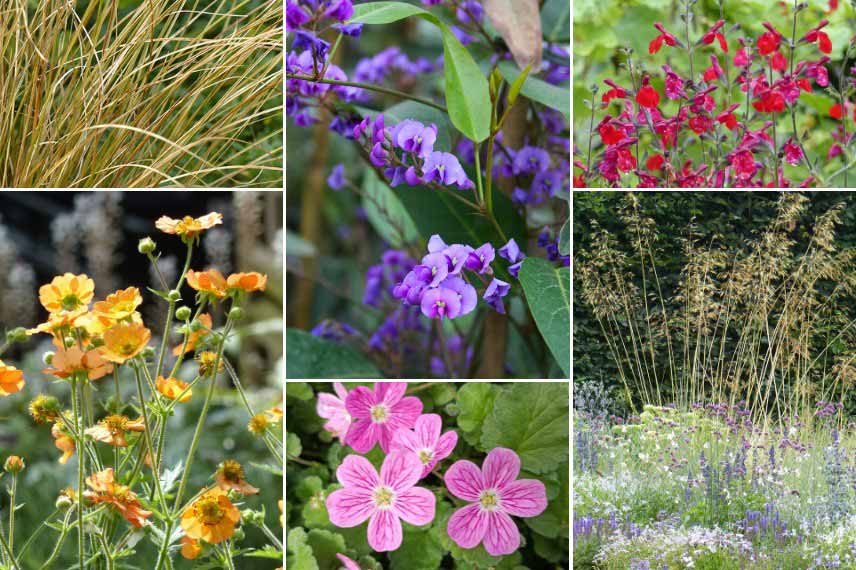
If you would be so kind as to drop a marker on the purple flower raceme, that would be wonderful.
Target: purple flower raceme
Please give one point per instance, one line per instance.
(438, 285)
(511, 253)
(412, 136)
(444, 168)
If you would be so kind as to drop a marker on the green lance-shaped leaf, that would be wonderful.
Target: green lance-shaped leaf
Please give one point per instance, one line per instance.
(467, 95)
(311, 357)
(558, 98)
(565, 239)
(548, 292)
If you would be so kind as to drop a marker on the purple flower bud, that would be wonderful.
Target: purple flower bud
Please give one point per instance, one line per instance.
(445, 169)
(511, 252)
(414, 283)
(340, 10)
(361, 128)
(441, 302)
(304, 40)
(411, 177)
(336, 180)
(494, 294)
(353, 30)
(439, 266)
(481, 258)
(515, 268)
(378, 134)
(295, 16)
(379, 155)
(470, 7)
(374, 285)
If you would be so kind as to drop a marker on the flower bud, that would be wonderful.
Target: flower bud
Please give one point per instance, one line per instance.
(182, 313)
(64, 502)
(16, 335)
(147, 352)
(14, 464)
(174, 296)
(236, 313)
(239, 535)
(147, 245)
(251, 517)
(44, 409)
(47, 358)
(69, 341)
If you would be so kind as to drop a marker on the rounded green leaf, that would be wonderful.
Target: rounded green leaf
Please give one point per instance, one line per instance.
(548, 292)
(311, 357)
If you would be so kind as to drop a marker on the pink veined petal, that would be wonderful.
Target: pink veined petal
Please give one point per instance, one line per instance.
(362, 435)
(404, 439)
(340, 389)
(356, 471)
(400, 470)
(384, 531)
(350, 507)
(405, 413)
(349, 564)
(359, 402)
(502, 536)
(385, 433)
(501, 467)
(427, 428)
(464, 480)
(467, 526)
(524, 498)
(329, 406)
(390, 392)
(415, 506)
(445, 445)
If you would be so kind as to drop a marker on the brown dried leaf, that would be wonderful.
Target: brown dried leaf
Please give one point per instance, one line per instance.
(519, 23)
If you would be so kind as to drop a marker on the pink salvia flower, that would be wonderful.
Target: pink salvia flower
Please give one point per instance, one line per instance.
(333, 409)
(377, 414)
(494, 495)
(348, 563)
(383, 500)
(426, 442)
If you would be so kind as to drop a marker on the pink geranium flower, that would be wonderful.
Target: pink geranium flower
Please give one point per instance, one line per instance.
(378, 413)
(333, 409)
(494, 495)
(426, 442)
(349, 564)
(384, 500)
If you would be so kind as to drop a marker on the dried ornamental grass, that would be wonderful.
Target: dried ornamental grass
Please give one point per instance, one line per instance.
(174, 93)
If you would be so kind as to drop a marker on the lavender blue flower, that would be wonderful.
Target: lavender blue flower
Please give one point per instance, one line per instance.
(445, 169)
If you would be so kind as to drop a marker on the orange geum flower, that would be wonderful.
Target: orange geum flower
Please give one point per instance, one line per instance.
(58, 321)
(274, 414)
(212, 517)
(67, 292)
(230, 476)
(119, 305)
(171, 388)
(188, 227)
(11, 379)
(207, 359)
(63, 441)
(123, 499)
(210, 281)
(112, 429)
(195, 336)
(68, 361)
(190, 548)
(247, 282)
(125, 341)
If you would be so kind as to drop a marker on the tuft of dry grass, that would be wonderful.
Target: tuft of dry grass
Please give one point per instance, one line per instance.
(172, 93)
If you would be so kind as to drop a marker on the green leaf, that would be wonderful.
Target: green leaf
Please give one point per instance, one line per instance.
(419, 550)
(325, 545)
(293, 447)
(467, 95)
(311, 357)
(301, 557)
(435, 212)
(386, 213)
(558, 98)
(514, 90)
(565, 238)
(553, 522)
(548, 292)
(299, 390)
(531, 419)
(475, 401)
(556, 21)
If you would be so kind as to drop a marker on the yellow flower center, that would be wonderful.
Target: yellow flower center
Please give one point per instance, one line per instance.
(209, 511)
(127, 348)
(489, 500)
(379, 413)
(383, 497)
(232, 471)
(425, 456)
(115, 423)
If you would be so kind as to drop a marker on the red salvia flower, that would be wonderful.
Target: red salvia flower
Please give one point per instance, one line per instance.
(835, 111)
(770, 40)
(655, 162)
(771, 102)
(715, 34)
(648, 97)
